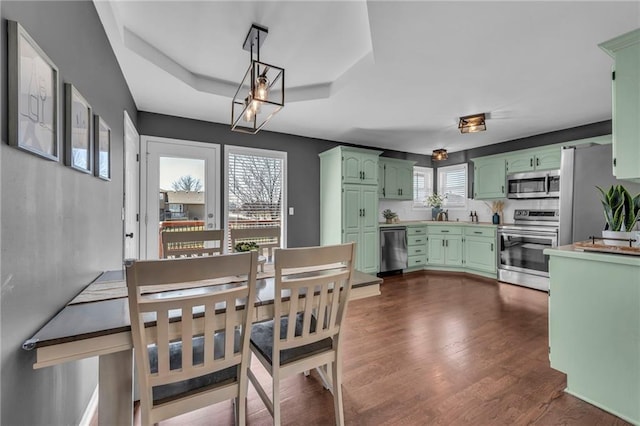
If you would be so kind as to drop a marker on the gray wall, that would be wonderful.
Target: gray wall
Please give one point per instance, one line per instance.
(60, 228)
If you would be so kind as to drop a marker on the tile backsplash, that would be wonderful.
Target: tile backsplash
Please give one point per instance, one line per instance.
(406, 211)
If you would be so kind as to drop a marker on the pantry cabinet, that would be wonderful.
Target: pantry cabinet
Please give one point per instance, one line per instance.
(349, 211)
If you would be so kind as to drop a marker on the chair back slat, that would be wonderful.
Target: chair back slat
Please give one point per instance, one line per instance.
(192, 243)
(170, 323)
(265, 238)
(315, 299)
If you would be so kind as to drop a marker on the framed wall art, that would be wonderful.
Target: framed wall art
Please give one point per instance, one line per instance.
(78, 131)
(33, 96)
(102, 167)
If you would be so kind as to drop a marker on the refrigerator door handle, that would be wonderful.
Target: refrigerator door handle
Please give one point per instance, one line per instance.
(546, 182)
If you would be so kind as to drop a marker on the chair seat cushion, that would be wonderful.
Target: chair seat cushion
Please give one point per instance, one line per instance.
(175, 390)
(262, 340)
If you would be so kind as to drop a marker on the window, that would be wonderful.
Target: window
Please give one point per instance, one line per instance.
(422, 185)
(255, 188)
(452, 183)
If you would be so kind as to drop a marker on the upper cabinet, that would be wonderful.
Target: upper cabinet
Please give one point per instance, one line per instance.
(359, 166)
(625, 50)
(542, 159)
(396, 178)
(489, 178)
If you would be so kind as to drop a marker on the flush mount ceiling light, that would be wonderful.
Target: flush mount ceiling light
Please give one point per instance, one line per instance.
(261, 93)
(439, 154)
(472, 123)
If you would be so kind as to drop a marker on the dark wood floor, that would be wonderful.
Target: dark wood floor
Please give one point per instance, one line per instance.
(435, 348)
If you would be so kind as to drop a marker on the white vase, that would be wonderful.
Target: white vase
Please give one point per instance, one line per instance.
(618, 234)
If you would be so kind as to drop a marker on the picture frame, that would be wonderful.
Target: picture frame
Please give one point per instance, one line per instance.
(102, 139)
(34, 96)
(78, 131)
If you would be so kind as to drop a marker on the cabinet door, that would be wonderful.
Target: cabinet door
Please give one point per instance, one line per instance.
(453, 250)
(368, 252)
(351, 170)
(369, 205)
(436, 250)
(490, 179)
(521, 163)
(626, 113)
(351, 209)
(391, 181)
(548, 159)
(405, 182)
(369, 167)
(381, 180)
(480, 253)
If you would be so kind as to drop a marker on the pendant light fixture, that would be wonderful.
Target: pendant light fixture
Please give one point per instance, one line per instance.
(439, 154)
(261, 93)
(472, 123)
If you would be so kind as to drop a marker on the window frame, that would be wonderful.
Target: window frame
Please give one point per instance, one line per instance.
(429, 187)
(441, 190)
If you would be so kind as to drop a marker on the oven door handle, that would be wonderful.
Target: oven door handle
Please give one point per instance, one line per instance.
(551, 235)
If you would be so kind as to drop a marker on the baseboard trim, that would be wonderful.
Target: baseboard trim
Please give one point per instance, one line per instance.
(91, 410)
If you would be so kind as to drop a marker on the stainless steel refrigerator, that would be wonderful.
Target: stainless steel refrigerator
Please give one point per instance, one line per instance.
(582, 168)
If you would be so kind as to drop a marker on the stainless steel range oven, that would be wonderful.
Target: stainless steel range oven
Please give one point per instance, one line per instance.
(521, 259)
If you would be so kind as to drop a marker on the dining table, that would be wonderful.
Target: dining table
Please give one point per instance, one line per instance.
(96, 323)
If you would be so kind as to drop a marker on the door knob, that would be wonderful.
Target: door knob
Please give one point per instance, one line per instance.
(129, 235)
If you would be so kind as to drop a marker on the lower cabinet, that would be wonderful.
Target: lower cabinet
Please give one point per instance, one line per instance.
(480, 253)
(462, 247)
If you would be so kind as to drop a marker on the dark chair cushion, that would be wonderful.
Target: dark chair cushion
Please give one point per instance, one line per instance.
(175, 390)
(262, 340)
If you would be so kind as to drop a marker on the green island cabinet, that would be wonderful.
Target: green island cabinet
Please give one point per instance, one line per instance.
(489, 178)
(594, 327)
(625, 50)
(349, 211)
(541, 159)
(416, 246)
(396, 178)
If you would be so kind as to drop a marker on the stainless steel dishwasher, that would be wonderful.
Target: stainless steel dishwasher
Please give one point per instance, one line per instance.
(393, 248)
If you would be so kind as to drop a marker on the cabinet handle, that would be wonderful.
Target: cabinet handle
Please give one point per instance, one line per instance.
(364, 212)
(418, 251)
(537, 161)
(491, 246)
(502, 189)
(444, 230)
(360, 174)
(364, 175)
(530, 162)
(442, 243)
(477, 232)
(417, 241)
(360, 212)
(614, 162)
(446, 243)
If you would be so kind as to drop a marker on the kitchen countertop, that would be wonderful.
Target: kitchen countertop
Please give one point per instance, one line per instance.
(571, 251)
(434, 222)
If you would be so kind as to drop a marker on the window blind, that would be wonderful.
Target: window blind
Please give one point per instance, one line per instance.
(422, 185)
(452, 183)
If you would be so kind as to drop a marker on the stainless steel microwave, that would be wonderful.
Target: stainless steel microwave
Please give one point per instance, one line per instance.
(539, 184)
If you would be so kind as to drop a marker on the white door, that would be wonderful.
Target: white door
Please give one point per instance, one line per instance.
(180, 189)
(131, 189)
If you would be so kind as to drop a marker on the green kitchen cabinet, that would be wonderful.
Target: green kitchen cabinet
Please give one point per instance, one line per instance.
(530, 160)
(349, 212)
(480, 249)
(396, 179)
(445, 246)
(416, 246)
(625, 50)
(359, 166)
(489, 178)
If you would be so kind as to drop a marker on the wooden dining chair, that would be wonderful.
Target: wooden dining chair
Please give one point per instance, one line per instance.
(191, 347)
(267, 239)
(192, 243)
(315, 339)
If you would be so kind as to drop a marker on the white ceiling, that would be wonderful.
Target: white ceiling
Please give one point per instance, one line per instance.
(387, 74)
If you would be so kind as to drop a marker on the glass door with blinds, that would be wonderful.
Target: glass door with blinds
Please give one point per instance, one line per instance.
(255, 189)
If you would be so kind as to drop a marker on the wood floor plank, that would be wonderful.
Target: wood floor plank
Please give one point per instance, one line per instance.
(435, 348)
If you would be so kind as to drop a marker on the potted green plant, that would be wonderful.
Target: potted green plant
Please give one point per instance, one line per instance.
(246, 246)
(435, 202)
(621, 213)
(389, 215)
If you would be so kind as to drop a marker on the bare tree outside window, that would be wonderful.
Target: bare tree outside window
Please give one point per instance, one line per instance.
(255, 187)
(187, 183)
